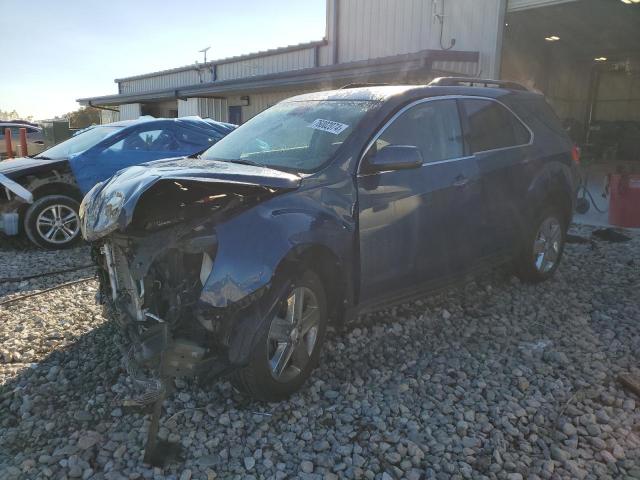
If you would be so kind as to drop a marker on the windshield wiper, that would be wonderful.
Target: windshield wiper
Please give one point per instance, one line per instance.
(43, 157)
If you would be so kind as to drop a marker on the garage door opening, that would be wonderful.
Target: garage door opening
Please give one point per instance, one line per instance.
(584, 55)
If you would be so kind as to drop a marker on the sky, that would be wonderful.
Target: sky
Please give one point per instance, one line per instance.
(55, 51)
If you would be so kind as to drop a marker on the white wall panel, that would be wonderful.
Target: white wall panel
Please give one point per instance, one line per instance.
(378, 28)
(262, 101)
(215, 108)
(130, 111)
(188, 107)
(107, 116)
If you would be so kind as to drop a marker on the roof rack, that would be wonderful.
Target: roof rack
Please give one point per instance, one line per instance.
(474, 82)
(358, 85)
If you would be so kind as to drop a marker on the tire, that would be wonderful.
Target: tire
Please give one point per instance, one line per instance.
(542, 250)
(264, 378)
(45, 224)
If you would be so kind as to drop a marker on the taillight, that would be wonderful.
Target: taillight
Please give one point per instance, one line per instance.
(575, 154)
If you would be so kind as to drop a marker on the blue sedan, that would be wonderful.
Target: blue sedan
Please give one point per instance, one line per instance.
(44, 192)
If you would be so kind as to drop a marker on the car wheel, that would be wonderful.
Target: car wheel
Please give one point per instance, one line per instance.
(290, 344)
(53, 222)
(543, 248)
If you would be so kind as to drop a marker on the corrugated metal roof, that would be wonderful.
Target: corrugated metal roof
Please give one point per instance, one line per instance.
(237, 58)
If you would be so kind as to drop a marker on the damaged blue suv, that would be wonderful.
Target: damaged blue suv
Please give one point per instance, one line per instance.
(321, 207)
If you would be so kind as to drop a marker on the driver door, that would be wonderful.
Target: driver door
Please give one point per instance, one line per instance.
(415, 224)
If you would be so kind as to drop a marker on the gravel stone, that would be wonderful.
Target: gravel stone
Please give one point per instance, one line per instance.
(306, 466)
(513, 381)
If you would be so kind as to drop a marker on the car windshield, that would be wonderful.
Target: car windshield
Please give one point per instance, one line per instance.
(297, 136)
(79, 143)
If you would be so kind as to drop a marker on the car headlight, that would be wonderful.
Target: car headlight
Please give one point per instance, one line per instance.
(100, 219)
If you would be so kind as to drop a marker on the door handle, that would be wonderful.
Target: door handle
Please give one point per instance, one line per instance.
(460, 181)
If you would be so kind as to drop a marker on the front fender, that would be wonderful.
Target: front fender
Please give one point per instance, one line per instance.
(252, 245)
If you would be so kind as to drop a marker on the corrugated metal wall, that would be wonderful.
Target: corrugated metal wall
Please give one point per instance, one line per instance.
(167, 80)
(288, 61)
(107, 116)
(378, 28)
(283, 62)
(215, 108)
(130, 111)
(262, 101)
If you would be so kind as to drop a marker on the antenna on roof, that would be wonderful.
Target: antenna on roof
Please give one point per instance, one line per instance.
(204, 50)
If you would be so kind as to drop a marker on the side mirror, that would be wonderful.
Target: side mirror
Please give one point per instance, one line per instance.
(395, 157)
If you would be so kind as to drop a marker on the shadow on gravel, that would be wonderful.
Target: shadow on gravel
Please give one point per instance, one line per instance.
(14, 243)
(63, 393)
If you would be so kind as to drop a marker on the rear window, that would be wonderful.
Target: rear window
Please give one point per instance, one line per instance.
(492, 126)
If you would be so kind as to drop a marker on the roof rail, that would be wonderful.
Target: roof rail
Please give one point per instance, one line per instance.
(474, 82)
(358, 85)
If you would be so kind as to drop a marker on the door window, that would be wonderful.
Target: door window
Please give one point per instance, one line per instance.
(492, 126)
(433, 127)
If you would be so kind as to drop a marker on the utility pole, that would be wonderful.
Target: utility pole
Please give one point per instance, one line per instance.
(204, 50)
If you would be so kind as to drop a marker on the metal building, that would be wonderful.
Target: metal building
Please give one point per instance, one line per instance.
(413, 41)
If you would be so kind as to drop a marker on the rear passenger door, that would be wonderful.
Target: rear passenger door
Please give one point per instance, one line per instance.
(501, 144)
(417, 225)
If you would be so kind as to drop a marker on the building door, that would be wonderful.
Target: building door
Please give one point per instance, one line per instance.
(235, 114)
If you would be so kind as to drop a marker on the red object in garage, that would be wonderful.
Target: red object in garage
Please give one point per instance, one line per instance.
(624, 202)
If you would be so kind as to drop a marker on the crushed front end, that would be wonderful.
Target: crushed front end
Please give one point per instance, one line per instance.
(151, 286)
(154, 239)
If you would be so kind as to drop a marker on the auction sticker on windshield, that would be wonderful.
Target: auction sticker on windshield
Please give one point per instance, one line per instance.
(328, 126)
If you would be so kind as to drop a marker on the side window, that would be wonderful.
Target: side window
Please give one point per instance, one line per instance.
(492, 126)
(433, 127)
(149, 140)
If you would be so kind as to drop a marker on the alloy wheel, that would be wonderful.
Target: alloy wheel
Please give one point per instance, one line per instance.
(58, 224)
(547, 245)
(293, 334)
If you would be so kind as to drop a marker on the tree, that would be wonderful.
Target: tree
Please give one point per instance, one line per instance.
(83, 117)
(13, 115)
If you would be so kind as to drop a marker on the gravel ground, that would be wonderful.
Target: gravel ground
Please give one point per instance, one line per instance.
(493, 380)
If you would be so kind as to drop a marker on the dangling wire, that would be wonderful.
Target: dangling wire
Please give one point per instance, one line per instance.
(583, 192)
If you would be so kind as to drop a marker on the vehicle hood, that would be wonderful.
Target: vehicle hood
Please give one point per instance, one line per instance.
(131, 183)
(17, 167)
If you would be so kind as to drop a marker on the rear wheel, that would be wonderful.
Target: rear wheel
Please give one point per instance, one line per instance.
(543, 247)
(290, 344)
(53, 222)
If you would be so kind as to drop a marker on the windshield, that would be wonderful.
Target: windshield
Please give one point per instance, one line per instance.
(79, 143)
(298, 136)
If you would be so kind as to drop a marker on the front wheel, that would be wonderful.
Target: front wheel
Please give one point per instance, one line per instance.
(289, 347)
(52, 222)
(542, 250)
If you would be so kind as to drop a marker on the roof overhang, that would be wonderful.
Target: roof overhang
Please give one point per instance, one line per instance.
(394, 69)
